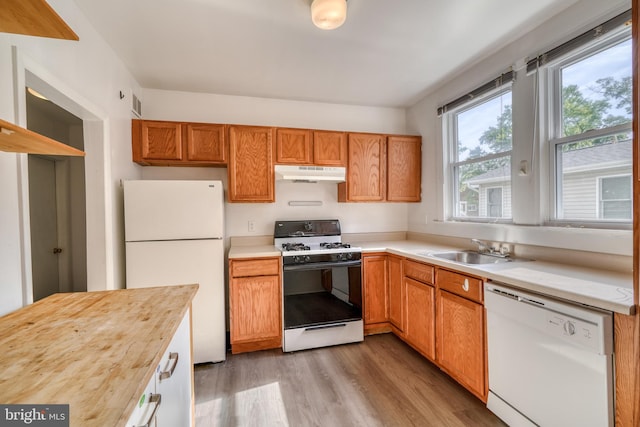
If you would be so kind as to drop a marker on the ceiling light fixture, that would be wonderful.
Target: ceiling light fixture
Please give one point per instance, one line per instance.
(328, 14)
(37, 94)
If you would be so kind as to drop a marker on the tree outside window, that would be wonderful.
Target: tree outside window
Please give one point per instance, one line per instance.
(483, 156)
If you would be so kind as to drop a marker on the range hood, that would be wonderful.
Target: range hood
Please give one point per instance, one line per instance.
(309, 173)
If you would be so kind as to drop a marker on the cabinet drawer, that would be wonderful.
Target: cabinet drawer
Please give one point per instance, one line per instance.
(418, 271)
(255, 267)
(459, 284)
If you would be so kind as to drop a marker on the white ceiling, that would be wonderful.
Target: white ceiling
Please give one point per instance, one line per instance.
(388, 53)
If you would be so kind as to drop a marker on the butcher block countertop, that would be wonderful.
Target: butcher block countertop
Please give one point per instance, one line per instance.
(95, 351)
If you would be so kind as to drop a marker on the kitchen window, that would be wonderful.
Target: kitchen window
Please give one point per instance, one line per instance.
(480, 142)
(590, 132)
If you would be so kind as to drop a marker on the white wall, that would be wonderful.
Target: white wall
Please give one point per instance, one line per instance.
(84, 77)
(430, 215)
(354, 217)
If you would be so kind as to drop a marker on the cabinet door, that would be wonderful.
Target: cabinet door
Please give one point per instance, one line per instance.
(396, 292)
(329, 148)
(251, 176)
(404, 164)
(293, 146)
(174, 379)
(145, 410)
(154, 140)
(375, 289)
(460, 336)
(366, 170)
(206, 143)
(419, 326)
(255, 308)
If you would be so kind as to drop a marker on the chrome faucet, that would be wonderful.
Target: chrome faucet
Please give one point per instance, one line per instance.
(482, 246)
(502, 250)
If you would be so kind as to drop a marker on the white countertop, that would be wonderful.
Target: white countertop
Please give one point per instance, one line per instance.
(603, 289)
(238, 252)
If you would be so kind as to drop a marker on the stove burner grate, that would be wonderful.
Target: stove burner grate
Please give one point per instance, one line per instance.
(295, 247)
(335, 245)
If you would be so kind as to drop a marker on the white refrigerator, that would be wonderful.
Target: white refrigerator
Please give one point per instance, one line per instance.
(174, 236)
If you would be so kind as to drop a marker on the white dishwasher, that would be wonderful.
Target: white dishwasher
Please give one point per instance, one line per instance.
(550, 362)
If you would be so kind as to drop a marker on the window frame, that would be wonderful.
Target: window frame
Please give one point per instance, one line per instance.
(451, 141)
(601, 200)
(556, 139)
(495, 187)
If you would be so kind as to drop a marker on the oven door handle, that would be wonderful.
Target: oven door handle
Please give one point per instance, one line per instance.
(321, 265)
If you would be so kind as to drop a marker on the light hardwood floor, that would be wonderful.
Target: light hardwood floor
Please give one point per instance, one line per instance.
(380, 382)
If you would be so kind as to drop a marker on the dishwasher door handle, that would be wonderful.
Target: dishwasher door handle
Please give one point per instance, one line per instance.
(531, 302)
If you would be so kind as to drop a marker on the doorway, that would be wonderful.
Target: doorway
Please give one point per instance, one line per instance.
(57, 202)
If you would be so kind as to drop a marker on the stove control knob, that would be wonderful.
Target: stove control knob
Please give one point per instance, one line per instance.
(569, 328)
(349, 255)
(307, 258)
(308, 226)
(340, 257)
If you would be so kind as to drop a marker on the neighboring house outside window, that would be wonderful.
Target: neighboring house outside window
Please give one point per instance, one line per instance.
(494, 192)
(594, 188)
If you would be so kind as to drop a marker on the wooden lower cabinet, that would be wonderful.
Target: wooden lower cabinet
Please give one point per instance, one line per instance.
(396, 292)
(255, 304)
(438, 312)
(419, 325)
(374, 271)
(461, 341)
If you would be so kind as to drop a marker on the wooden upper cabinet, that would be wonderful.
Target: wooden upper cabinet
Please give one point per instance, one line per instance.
(251, 174)
(329, 148)
(404, 168)
(206, 143)
(293, 146)
(156, 141)
(305, 147)
(366, 169)
(160, 143)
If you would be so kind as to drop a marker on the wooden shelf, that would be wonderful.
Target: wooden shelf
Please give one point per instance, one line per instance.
(34, 18)
(16, 139)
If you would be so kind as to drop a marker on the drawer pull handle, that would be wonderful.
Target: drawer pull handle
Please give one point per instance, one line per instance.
(167, 374)
(465, 285)
(153, 398)
(315, 328)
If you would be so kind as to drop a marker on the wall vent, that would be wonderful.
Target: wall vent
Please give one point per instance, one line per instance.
(136, 105)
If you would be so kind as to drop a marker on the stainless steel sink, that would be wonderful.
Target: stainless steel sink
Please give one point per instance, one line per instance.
(469, 257)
